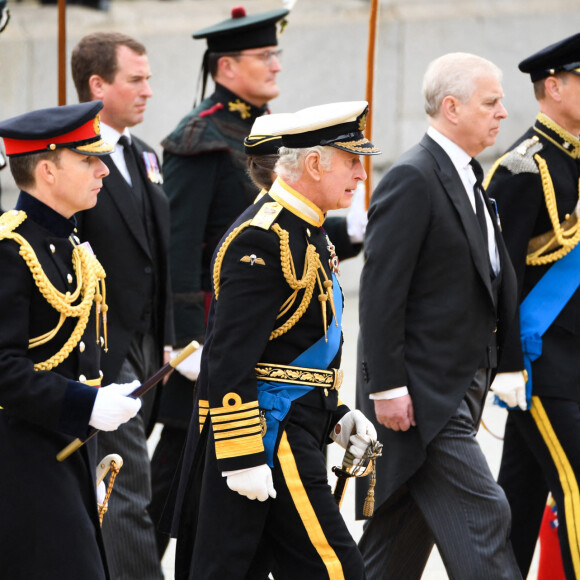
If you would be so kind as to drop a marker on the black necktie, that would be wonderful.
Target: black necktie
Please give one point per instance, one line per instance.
(478, 192)
(131, 165)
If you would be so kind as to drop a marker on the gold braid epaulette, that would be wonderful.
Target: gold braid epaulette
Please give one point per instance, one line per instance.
(89, 275)
(306, 283)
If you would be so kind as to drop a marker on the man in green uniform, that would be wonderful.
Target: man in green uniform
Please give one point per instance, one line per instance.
(205, 179)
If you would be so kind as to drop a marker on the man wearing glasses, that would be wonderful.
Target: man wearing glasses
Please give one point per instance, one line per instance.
(204, 167)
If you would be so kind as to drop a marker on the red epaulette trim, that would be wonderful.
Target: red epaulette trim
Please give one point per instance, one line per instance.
(212, 110)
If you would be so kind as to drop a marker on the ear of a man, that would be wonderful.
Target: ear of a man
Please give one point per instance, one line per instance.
(313, 166)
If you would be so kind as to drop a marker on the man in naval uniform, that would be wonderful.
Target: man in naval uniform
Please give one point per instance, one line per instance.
(205, 179)
(536, 186)
(254, 490)
(52, 308)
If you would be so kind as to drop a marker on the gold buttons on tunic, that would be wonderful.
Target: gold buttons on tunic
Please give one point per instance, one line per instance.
(69, 278)
(82, 346)
(82, 378)
(52, 248)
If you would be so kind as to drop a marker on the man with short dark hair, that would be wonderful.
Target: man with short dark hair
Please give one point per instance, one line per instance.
(437, 291)
(536, 185)
(204, 167)
(52, 330)
(254, 490)
(129, 232)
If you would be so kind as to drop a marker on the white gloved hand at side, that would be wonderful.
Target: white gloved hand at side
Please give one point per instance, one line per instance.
(356, 218)
(189, 368)
(113, 407)
(101, 492)
(511, 389)
(253, 482)
(354, 432)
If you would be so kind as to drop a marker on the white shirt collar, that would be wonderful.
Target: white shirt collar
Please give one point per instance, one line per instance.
(458, 156)
(111, 135)
(460, 160)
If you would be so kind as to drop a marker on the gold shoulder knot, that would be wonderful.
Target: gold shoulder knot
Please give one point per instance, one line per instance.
(10, 220)
(267, 215)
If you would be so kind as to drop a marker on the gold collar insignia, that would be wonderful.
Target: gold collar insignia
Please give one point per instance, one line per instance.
(242, 108)
(557, 135)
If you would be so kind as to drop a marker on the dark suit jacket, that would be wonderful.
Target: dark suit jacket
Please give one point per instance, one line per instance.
(118, 238)
(426, 307)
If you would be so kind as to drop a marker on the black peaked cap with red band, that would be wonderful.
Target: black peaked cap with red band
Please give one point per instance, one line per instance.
(75, 127)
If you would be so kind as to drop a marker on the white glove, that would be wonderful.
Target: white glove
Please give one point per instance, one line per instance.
(356, 218)
(101, 492)
(253, 482)
(113, 407)
(354, 432)
(511, 389)
(189, 368)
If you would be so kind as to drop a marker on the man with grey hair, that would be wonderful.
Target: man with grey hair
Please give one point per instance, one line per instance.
(437, 291)
(254, 493)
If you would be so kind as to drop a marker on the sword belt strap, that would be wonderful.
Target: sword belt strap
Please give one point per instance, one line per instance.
(325, 378)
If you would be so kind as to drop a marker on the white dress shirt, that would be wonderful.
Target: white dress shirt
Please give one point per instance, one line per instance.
(112, 136)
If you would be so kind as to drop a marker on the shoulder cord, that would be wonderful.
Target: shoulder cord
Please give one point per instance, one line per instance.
(568, 239)
(90, 280)
(307, 282)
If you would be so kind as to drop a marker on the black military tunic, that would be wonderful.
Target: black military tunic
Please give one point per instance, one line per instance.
(516, 185)
(258, 319)
(536, 186)
(49, 526)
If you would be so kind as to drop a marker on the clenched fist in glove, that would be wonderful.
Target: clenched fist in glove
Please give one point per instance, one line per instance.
(354, 432)
(511, 389)
(253, 482)
(113, 406)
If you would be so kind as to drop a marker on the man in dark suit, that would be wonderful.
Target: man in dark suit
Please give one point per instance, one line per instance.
(536, 187)
(437, 289)
(129, 232)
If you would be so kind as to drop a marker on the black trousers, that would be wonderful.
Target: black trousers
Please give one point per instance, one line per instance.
(541, 453)
(300, 534)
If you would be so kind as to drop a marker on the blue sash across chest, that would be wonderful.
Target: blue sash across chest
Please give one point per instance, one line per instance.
(542, 306)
